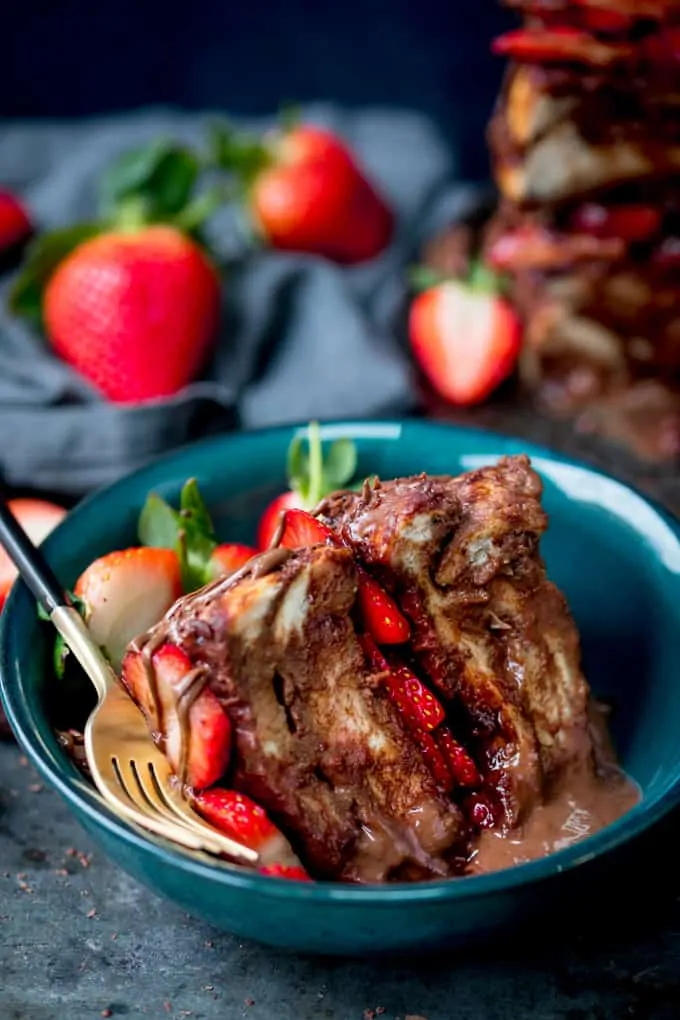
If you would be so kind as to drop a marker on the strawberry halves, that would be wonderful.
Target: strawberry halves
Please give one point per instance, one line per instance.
(244, 821)
(380, 612)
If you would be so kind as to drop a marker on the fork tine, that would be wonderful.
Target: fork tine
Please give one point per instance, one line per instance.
(148, 793)
(119, 798)
(175, 805)
(117, 784)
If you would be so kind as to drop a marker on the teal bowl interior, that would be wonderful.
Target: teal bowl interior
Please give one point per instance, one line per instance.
(615, 556)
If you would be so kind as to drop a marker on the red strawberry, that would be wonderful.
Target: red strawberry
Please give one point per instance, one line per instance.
(414, 700)
(461, 765)
(465, 338)
(237, 816)
(434, 759)
(209, 727)
(270, 520)
(560, 45)
(481, 811)
(608, 22)
(134, 312)
(628, 222)
(15, 226)
(380, 612)
(37, 517)
(313, 472)
(291, 871)
(231, 556)
(374, 656)
(243, 820)
(417, 704)
(125, 593)
(309, 194)
(301, 529)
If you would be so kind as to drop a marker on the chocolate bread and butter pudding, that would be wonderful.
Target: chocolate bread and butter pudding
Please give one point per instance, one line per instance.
(362, 791)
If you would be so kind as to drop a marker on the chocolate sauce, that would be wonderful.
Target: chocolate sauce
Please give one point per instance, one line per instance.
(193, 684)
(583, 805)
(587, 799)
(593, 793)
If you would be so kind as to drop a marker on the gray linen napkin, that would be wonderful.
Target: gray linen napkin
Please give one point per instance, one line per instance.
(300, 337)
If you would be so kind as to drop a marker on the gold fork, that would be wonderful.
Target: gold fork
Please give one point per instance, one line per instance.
(129, 771)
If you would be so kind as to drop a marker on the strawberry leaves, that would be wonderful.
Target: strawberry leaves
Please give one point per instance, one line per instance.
(313, 473)
(159, 177)
(42, 257)
(189, 531)
(481, 278)
(152, 184)
(236, 153)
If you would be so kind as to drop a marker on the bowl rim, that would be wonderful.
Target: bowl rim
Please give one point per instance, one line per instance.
(84, 800)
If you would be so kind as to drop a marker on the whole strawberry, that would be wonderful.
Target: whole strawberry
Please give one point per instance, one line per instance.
(14, 222)
(134, 312)
(130, 301)
(307, 192)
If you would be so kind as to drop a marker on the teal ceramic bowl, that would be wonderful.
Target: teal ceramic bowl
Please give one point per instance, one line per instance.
(616, 557)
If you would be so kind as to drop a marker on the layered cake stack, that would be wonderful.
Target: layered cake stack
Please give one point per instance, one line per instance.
(585, 148)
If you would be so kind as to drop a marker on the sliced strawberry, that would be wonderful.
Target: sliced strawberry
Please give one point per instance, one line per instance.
(434, 759)
(560, 45)
(37, 517)
(379, 610)
(209, 745)
(414, 700)
(380, 613)
(271, 518)
(127, 592)
(243, 820)
(237, 816)
(465, 340)
(229, 557)
(291, 871)
(301, 529)
(461, 765)
(375, 657)
(628, 222)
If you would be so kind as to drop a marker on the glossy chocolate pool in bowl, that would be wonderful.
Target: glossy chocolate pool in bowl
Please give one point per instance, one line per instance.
(615, 556)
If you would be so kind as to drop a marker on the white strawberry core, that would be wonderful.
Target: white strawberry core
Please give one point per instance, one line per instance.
(466, 323)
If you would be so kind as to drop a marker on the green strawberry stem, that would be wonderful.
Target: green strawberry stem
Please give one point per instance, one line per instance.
(236, 153)
(316, 479)
(131, 214)
(189, 531)
(314, 474)
(481, 279)
(423, 278)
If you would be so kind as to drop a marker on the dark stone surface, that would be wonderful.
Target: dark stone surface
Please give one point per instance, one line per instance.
(78, 937)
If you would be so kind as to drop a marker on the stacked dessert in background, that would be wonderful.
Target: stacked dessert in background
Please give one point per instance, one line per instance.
(585, 148)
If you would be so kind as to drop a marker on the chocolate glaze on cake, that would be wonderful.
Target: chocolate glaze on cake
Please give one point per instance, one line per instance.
(319, 742)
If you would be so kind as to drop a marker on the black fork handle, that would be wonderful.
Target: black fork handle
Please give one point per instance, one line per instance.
(30, 562)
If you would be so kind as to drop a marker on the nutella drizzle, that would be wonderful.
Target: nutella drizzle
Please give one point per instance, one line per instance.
(589, 800)
(194, 683)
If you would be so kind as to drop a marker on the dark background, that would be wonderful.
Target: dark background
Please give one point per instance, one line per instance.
(73, 58)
